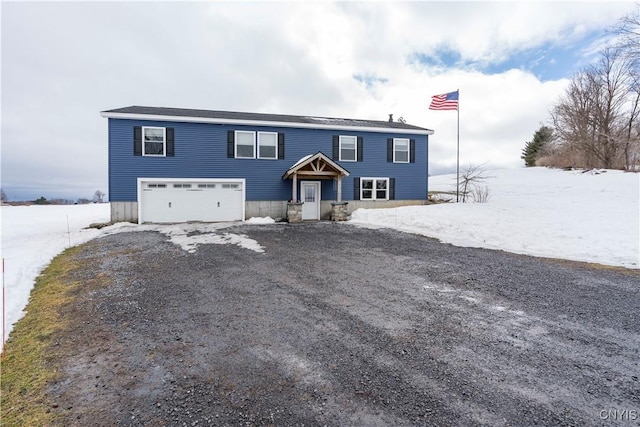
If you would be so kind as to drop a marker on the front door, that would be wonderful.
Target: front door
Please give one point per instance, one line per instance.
(310, 192)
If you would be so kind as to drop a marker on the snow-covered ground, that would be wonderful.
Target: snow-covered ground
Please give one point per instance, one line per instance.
(31, 237)
(583, 216)
(536, 211)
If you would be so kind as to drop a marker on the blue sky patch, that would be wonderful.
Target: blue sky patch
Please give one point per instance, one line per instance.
(369, 80)
(549, 61)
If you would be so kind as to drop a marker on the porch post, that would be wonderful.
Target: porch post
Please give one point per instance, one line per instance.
(295, 185)
(339, 188)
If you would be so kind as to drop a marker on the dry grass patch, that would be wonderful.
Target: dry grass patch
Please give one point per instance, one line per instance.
(29, 362)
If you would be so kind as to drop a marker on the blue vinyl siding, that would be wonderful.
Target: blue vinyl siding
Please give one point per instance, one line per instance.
(201, 152)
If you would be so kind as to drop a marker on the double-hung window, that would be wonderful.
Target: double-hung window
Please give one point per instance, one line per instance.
(245, 145)
(348, 148)
(374, 189)
(401, 150)
(154, 141)
(267, 145)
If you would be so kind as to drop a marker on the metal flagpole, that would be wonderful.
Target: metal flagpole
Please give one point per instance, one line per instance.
(458, 152)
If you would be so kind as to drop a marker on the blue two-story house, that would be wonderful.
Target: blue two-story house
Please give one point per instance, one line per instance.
(176, 165)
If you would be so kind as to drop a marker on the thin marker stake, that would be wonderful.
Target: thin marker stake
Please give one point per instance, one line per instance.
(3, 311)
(68, 230)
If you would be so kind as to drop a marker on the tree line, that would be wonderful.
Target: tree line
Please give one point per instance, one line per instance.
(596, 122)
(98, 197)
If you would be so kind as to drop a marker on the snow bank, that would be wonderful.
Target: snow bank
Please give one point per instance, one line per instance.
(32, 236)
(544, 212)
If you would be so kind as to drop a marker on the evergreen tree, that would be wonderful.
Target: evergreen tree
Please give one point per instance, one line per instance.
(534, 148)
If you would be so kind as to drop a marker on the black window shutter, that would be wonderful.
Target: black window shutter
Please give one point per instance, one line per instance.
(336, 147)
(137, 140)
(231, 151)
(389, 149)
(356, 188)
(412, 151)
(280, 145)
(392, 188)
(360, 149)
(170, 142)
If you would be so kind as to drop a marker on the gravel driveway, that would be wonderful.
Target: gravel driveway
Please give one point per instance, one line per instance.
(337, 325)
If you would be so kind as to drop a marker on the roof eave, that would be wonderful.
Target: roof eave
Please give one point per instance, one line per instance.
(294, 169)
(191, 119)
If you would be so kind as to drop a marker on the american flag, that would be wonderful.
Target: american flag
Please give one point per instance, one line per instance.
(447, 101)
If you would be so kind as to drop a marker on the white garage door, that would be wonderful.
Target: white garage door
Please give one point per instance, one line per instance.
(190, 200)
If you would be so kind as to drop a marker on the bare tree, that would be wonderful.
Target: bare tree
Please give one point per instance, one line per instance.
(470, 181)
(98, 196)
(3, 195)
(593, 119)
(628, 32)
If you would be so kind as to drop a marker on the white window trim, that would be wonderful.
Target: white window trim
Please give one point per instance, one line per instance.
(373, 190)
(355, 158)
(408, 150)
(235, 144)
(258, 146)
(164, 142)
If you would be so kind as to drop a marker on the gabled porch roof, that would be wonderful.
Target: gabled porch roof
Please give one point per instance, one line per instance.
(315, 166)
(318, 166)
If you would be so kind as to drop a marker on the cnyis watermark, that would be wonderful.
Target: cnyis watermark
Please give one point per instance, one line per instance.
(619, 414)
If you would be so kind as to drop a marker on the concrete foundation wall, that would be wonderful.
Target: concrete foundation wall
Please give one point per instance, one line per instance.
(276, 209)
(124, 212)
(325, 206)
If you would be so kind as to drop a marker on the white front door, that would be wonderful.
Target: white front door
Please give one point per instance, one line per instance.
(310, 195)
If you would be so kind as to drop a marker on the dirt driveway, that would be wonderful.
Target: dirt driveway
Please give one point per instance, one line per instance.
(337, 325)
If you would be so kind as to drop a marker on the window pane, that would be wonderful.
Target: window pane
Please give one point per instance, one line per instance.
(348, 142)
(367, 194)
(381, 194)
(348, 148)
(401, 150)
(245, 150)
(267, 143)
(366, 183)
(154, 147)
(348, 155)
(402, 156)
(245, 138)
(309, 193)
(151, 135)
(267, 152)
(267, 139)
(153, 141)
(245, 146)
(381, 184)
(401, 144)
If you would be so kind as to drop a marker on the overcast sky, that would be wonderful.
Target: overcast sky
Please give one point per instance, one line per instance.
(63, 63)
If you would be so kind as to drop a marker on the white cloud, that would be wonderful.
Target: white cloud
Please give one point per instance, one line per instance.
(62, 63)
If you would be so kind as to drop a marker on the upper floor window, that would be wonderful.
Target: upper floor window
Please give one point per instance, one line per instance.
(245, 145)
(242, 144)
(153, 141)
(348, 148)
(400, 150)
(267, 145)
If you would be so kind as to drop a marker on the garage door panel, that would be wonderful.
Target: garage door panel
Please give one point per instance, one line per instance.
(191, 201)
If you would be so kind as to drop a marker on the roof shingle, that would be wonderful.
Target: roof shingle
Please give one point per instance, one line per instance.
(262, 117)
